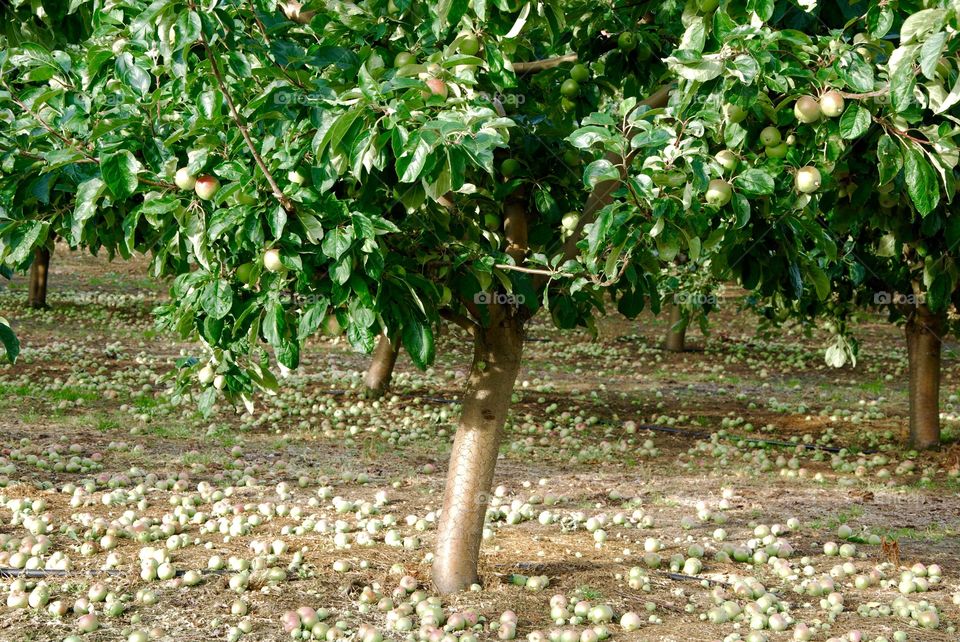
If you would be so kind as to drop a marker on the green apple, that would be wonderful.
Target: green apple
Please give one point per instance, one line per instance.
(245, 273)
(402, 59)
(184, 179)
(570, 88)
(510, 167)
(719, 192)
(733, 113)
(770, 136)
(831, 104)
(580, 73)
(808, 180)
(727, 160)
(469, 45)
(777, 151)
(807, 109)
(272, 261)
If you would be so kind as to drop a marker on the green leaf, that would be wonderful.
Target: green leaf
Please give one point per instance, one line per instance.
(277, 220)
(119, 171)
(930, 54)
(311, 318)
(217, 298)
(703, 70)
(741, 209)
(599, 171)
(337, 242)
(418, 342)
(903, 79)
(411, 163)
(855, 121)
(10, 342)
(88, 193)
(939, 290)
(586, 137)
(855, 72)
(921, 180)
(821, 282)
(755, 182)
(25, 237)
(921, 23)
(274, 324)
(133, 76)
(889, 158)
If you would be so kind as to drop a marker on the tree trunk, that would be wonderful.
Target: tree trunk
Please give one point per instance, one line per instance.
(377, 379)
(677, 332)
(37, 297)
(486, 400)
(924, 331)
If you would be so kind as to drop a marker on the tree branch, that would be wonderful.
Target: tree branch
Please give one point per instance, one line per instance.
(540, 65)
(72, 144)
(241, 125)
(525, 270)
(602, 194)
(459, 320)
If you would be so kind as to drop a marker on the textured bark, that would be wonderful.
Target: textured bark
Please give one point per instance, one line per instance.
(377, 379)
(676, 334)
(924, 331)
(496, 362)
(37, 297)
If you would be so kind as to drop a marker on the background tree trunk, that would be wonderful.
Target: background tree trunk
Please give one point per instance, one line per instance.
(676, 336)
(924, 331)
(496, 362)
(377, 379)
(37, 297)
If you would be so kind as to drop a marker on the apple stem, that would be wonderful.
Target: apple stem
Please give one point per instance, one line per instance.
(241, 125)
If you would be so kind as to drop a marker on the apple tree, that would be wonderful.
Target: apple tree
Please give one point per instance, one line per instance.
(382, 167)
(819, 145)
(32, 189)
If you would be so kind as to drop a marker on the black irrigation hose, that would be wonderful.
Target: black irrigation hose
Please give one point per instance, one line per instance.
(34, 573)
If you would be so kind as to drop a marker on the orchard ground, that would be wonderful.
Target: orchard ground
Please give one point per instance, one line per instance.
(87, 385)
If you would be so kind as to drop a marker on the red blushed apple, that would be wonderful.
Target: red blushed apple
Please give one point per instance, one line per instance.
(437, 88)
(207, 186)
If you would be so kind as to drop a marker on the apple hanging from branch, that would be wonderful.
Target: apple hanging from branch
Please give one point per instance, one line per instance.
(206, 187)
(184, 179)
